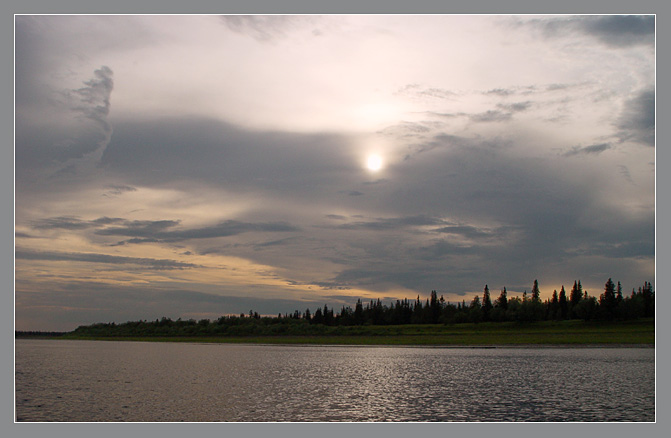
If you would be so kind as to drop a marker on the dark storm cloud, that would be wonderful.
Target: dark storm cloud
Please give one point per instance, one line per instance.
(637, 120)
(621, 30)
(75, 223)
(611, 30)
(158, 264)
(221, 154)
(108, 220)
(594, 149)
(159, 230)
(534, 211)
(61, 222)
(154, 231)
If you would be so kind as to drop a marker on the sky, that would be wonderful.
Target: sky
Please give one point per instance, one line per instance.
(198, 166)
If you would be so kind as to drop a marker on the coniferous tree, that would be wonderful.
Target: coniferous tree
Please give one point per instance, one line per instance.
(553, 307)
(535, 292)
(434, 307)
(502, 300)
(608, 301)
(563, 304)
(574, 298)
(318, 317)
(648, 296)
(486, 304)
(358, 312)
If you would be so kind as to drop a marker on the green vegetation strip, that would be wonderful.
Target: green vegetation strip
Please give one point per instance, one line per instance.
(574, 333)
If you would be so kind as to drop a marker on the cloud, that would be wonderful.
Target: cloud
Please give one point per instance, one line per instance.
(216, 153)
(624, 171)
(491, 116)
(611, 30)
(392, 223)
(65, 135)
(147, 231)
(511, 91)
(464, 230)
(157, 231)
(159, 264)
(621, 30)
(515, 107)
(594, 149)
(61, 222)
(95, 97)
(266, 27)
(417, 91)
(119, 189)
(637, 120)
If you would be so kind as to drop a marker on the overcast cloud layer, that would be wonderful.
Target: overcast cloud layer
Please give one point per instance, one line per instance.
(198, 166)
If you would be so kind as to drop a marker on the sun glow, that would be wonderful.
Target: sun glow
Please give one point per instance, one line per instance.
(374, 163)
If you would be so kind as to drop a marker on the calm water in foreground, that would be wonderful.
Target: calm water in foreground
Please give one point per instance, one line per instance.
(58, 380)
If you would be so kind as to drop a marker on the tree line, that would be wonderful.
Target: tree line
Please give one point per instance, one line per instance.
(611, 305)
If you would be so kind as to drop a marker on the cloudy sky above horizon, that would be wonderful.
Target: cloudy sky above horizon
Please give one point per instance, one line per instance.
(195, 166)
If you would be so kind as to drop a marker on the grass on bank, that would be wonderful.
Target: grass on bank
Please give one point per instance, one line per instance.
(573, 332)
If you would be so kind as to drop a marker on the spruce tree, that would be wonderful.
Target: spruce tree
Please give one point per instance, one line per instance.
(554, 306)
(535, 292)
(563, 304)
(608, 301)
(574, 299)
(502, 300)
(486, 304)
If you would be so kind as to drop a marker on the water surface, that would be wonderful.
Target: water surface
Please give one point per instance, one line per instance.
(75, 381)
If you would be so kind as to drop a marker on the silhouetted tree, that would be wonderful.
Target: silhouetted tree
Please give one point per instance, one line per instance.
(574, 298)
(358, 312)
(486, 304)
(563, 304)
(553, 306)
(318, 317)
(502, 300)
(608, 301)
(535, 292)
(434, 307)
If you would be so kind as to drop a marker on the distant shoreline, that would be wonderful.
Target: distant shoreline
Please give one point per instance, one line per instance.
(482, 335)
(253, 341)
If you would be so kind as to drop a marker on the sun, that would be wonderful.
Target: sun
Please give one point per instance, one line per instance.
(374, 162)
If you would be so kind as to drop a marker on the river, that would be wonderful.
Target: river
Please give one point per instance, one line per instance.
(101, 381)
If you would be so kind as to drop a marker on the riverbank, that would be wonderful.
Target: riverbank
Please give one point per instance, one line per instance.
(546, 333)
